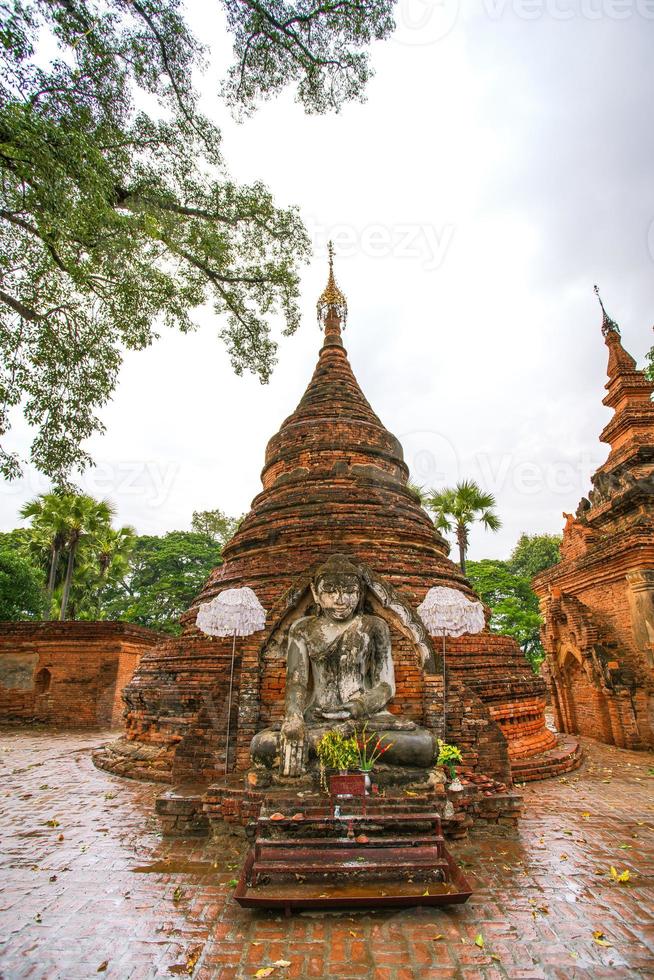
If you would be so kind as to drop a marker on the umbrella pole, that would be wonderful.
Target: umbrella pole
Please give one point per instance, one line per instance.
(444, 692)
(229, 703)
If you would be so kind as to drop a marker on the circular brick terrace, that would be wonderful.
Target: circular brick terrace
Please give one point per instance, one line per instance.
(86, 882)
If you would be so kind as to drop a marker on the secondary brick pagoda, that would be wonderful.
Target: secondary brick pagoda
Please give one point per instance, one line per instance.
(598, 602)
(334, 480)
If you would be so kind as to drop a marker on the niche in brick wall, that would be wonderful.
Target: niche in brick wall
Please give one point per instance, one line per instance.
(42, 681)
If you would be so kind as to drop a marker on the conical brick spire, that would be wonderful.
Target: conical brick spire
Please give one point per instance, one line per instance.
(335, 479)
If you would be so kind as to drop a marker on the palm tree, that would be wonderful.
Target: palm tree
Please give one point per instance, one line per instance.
(113, 548)
(48, 516)
(458, 508)
(86, 518)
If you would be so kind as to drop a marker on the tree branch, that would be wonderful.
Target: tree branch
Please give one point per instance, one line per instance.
(20, 308)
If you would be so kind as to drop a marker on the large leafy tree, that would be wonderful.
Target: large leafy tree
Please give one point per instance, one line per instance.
(164, 575)
(215, 524)
(117, 213)
(534, 553)
(513, 604)
(456, 509)
(21, 587)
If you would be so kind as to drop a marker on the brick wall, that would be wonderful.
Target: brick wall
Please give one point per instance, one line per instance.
(70, 673)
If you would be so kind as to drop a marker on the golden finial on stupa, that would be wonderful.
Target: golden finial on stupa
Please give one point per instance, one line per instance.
(331, 298)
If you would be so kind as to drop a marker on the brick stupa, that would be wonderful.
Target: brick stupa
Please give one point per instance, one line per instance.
(598, 602)
(334, 481)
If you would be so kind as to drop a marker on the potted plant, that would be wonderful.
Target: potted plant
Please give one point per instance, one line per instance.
(448, 757)
(337, 751)
(370, 749)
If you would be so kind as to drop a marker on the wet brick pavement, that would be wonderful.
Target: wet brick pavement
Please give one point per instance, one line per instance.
(88, 888)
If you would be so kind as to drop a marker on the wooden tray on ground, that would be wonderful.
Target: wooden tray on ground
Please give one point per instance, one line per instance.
(381, 853)
(391, 893)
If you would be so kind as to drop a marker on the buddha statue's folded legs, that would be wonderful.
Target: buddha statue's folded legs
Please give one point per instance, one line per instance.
(413, 747)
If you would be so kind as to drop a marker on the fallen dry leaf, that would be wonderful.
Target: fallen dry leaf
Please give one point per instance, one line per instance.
(479, 940)
(282, 963)
(622, 877)
(265, 971)
(191, 959)
(103, 966)
(598, 937)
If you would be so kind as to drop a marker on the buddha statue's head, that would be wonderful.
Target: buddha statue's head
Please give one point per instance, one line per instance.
(338, 589)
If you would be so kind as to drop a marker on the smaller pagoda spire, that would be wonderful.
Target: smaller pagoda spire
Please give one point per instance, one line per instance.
(332, 305)
(620, 361)
(608, 325)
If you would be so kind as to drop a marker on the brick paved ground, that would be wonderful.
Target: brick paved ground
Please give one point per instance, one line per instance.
(88, 888)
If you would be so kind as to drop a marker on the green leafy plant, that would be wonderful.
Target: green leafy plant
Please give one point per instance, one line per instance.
(369, 748)
(338, 751)
(448, 755)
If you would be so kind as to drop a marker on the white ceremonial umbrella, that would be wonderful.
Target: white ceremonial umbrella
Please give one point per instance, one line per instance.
(448, 612)
(234, 612)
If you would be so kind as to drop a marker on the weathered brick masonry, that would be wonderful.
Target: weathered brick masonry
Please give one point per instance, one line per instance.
(70, 674)
(598, 602)
(334, 480)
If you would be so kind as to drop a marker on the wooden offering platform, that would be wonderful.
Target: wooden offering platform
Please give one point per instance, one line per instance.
(349, 852)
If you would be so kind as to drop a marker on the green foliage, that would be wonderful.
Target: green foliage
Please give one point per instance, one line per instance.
(338, 751)
(513, 604)
(21, 587)
(216, 525)
(164, 576)
(116, 219)
(314, 45)
(102, 562)
(72, 538)
(534, 553)
(448, 755)
(458, 508)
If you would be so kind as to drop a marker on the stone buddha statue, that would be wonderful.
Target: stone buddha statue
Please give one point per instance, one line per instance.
(339, 674)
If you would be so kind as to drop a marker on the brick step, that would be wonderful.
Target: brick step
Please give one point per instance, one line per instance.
(350, 854)
(333, 842)
(564, 758)
(325, 820)
(348, 865)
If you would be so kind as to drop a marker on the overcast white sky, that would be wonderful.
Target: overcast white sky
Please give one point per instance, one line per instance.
(502, 164)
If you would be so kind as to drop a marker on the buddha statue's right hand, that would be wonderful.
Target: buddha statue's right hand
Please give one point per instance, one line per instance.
(293, 728)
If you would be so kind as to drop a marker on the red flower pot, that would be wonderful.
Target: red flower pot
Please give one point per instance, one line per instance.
(348, 784)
